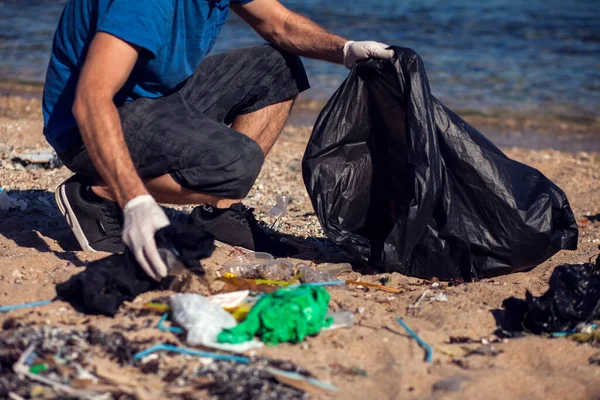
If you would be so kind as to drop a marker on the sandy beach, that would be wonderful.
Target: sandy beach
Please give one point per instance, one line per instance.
(37, 250)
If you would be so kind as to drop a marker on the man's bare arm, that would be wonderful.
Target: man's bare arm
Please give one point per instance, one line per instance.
(291, 31)
(107, 66)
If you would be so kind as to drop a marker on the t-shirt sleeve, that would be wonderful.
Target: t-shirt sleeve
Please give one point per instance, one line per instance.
(143, 23)
(240, 1)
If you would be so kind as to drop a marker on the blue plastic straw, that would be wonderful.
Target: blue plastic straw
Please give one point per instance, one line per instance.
(428, 348)
(325, 283)
(572, 331)
(24, 305)
(191, 352)
(164, 328)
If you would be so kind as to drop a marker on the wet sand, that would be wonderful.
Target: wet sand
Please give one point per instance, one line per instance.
(37, 250)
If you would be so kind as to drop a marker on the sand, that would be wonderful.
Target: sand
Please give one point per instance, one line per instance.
(37, 250)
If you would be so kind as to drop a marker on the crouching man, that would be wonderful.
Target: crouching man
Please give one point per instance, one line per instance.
(138, 111)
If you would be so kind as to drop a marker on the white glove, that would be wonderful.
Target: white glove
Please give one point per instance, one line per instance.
(354, 51)
(142, 218)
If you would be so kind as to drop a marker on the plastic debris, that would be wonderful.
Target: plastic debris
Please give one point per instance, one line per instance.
(573, 298)
(281, 207)
(204, 320)
(374, 286)
(24, 305)
(428, 348)
(308, 274)
(427, 297)
(335, 269)
(451, 384)
(304, 383)
(245, 265)
(594, 359)
(288, 315)
(341, 319)
(37, 368)
(230, 300)
(9, 203)
(45, 158)
(162, 327)
(191, 352)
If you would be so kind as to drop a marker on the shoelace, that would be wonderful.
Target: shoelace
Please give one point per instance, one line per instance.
(246, 215)
(114, 222)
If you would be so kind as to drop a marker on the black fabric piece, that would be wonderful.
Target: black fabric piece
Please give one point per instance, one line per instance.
(401, 182)
(107, 283)
(573, 298)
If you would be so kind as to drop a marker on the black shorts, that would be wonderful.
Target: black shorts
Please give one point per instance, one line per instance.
(186, 134)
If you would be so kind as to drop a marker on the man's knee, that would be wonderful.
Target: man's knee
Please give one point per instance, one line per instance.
(248, 168)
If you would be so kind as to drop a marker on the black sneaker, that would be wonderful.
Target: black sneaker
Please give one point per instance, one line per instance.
(96, 222)
(237, 226)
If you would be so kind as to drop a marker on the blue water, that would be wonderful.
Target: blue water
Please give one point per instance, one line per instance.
(540, 56)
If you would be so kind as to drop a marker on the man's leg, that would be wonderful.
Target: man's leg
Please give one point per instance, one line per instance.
(262, 126)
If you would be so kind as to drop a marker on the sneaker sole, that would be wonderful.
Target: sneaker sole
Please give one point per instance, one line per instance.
(67, 212)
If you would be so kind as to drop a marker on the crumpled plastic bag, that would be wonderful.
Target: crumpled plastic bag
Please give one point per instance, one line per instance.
(203, 320)
(401, 182)
(287, 315)
(573, 298)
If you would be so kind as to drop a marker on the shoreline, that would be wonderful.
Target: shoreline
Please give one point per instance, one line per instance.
(503, 128)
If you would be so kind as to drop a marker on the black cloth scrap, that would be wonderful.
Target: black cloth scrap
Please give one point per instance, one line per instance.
(107, 283)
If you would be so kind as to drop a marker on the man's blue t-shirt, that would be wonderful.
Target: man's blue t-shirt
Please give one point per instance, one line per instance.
(175, 35)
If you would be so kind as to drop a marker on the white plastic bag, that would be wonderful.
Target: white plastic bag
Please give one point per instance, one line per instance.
(203, 320)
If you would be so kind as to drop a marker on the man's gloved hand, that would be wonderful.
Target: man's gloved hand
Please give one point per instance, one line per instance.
(354, 51)
(142, 218)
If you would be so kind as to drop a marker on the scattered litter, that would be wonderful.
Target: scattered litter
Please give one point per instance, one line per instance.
(428, 348)
(161, 325)
(43, 158)
(335, 269)
(304, 383)
(244, 265)
(573, 298)
(162, 308)
(204, 320)
(281, 207)
(451, 384)
(427, 297)
(317, 284)
(484, 350)
(337, 369)
(24, 305)
(374, 286)
(9, 203)
(287, 315)
(230, 300)
(190, 352)
(310, 275)
(588, 334)
(341, 319)
(71, 358)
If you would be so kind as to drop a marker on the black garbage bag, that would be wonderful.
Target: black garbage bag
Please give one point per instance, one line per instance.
(403, 183)
(106, 283)
(573, 298)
